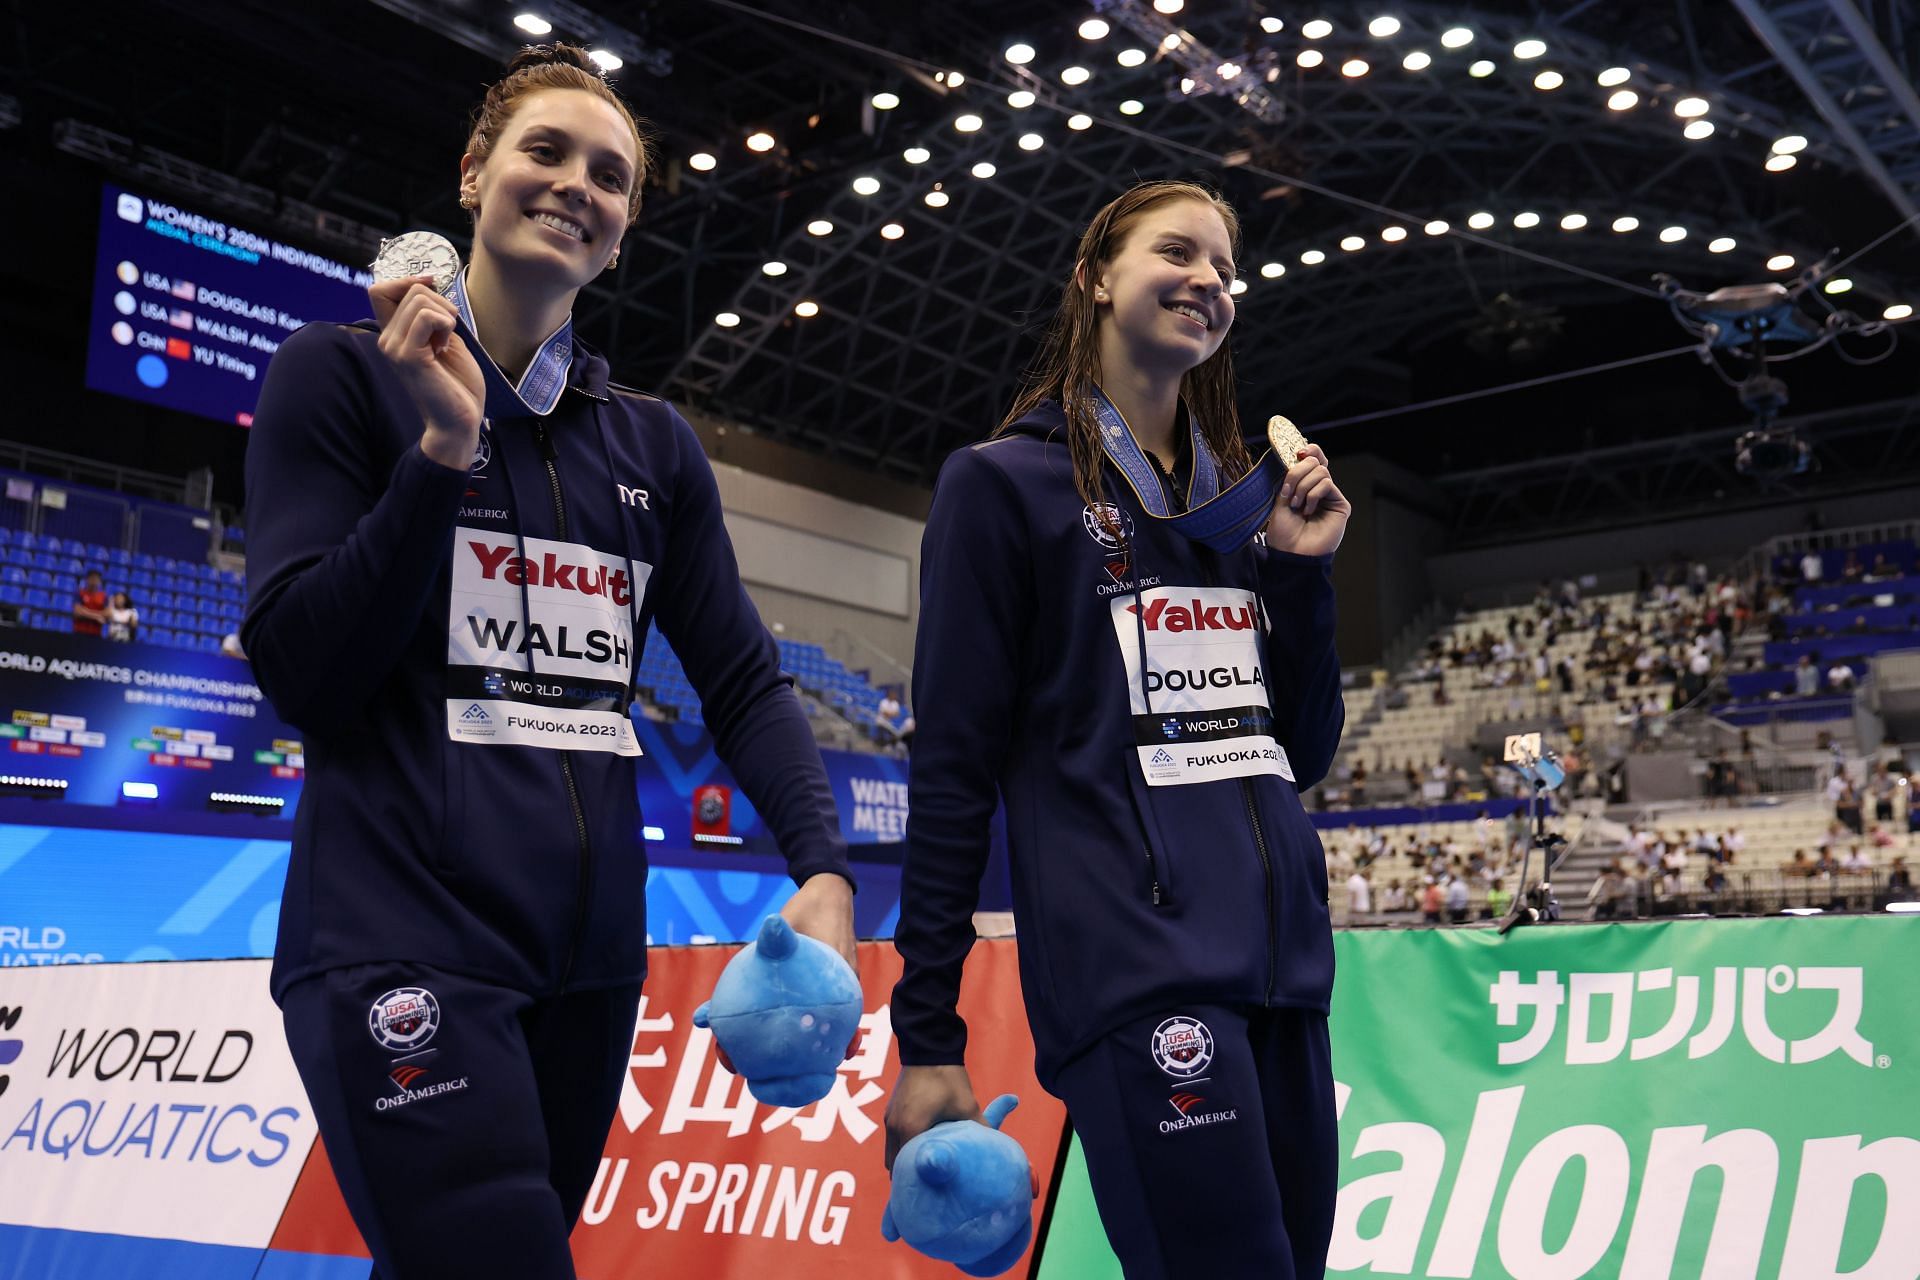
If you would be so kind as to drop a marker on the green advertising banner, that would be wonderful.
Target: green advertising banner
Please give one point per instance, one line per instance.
(1691, 1099)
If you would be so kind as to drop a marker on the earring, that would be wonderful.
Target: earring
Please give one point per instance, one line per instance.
(1099, 295)
(612, 262)
(466, 201)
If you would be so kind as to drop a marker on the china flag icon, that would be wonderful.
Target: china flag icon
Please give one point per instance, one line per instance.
(179, 349)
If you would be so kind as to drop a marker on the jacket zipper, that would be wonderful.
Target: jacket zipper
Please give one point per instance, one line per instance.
(581, 905)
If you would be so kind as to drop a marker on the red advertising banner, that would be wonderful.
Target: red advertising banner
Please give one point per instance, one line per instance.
(698, 1178)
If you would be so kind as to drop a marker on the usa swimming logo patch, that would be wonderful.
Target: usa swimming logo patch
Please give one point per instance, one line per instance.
(1182, 1047)
(404, 1019)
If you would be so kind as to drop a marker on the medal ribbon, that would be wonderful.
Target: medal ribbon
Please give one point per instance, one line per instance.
(1225, 521)
(546, 376)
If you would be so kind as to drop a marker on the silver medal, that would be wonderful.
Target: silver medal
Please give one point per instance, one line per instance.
(418, 253)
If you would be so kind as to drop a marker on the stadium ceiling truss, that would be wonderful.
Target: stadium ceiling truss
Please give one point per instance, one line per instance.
(918, 340)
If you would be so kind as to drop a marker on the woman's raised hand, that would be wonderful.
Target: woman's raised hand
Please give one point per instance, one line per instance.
(417, 335)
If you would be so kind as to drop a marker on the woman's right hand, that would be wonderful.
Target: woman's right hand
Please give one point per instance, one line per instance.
(924, 1097)
(417, 335)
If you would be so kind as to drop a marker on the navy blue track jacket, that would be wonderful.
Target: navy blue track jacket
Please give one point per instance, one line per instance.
(1148, 709)
(457, 648)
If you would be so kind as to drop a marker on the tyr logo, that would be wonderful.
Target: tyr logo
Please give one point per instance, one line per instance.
(634, 497)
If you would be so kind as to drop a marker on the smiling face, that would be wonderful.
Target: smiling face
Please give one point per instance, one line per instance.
(551, 198)
(1162, 299)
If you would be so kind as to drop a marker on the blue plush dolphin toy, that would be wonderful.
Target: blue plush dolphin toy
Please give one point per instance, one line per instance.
(784, 1011)
(963, 1193)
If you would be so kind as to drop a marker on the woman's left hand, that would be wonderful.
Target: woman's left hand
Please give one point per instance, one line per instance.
(1310, 515)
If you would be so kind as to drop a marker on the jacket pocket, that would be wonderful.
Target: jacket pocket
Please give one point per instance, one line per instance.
(1158, 879)
(447, 859)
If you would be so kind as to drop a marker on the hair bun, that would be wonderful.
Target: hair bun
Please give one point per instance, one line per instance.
(558, 53)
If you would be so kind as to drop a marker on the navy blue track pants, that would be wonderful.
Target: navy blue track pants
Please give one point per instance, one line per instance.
(465, 1121)
(1211, 1142)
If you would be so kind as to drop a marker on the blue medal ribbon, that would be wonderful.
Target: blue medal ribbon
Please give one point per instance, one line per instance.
(1224, 521)
(546, 376)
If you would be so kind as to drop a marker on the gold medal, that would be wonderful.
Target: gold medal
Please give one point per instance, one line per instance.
(1285, 439)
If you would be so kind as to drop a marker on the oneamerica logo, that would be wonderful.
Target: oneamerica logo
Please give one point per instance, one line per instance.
(406, 1096)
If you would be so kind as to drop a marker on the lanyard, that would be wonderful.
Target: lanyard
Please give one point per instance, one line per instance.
(546, 376)
(1224, 521)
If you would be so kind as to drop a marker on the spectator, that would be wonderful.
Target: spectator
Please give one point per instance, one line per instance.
(1457, 899)
(1430, 900)
(1359, 895)
(1900, 881)
(1810, 566)
(122, 619)
(1857, 862)
(1499, 901)
(1852, 570)
(1840, 677)
(1881, 569)
(1846, 808)
(1798, 865)
(90, 605)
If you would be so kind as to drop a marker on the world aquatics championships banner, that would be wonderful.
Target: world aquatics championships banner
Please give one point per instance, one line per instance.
(1691, 1099)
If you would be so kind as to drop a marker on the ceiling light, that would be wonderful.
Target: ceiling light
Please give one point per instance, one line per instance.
(806, 308)
(1438, 227)
(1075, 75)
(606, 60)
(884, 101)
(1481, 69)
(1529, 48)
(892, 231)
(985, 169)
(1780, 262)
(1418, 60)
(1187, 84)
(1310, 58)
(1313, 257)
(1623, 100)
(1780, 164)
(819, 227)
(533, 24)
(936, 199)
(1720, 244)
(1094, 29)
(1273, 270)
(1382, 27)
(1456, 38)
(1626, 224)
(1031, 142)
(1839, 284)
(774, 268)
(1613, 76)
(1898, 311)
(1169, 6)
(1790, 144)
(1079, 122)
(1573, 221)
(1227, 70)
(1353, 244)
(1170, 41)
(1527, 220)
(1393, 235)
(954, 79)
(866, 186)
(1130, 57)
(1317, 28)
(762, 141)
(1353, 68)
(727, 320)
(916, 155)
(1019, 54)
(1672, 235)
(1480, 221)
(1238, 287)
(1688, 108)
(1132, 107)
(704, 161)
(1698, 129)
(1272, 26)
(1549, 80)
(1021, 99)
(968, 123)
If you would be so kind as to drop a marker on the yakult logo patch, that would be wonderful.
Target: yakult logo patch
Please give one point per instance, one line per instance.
(404, 1019)
(1182, 1047)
